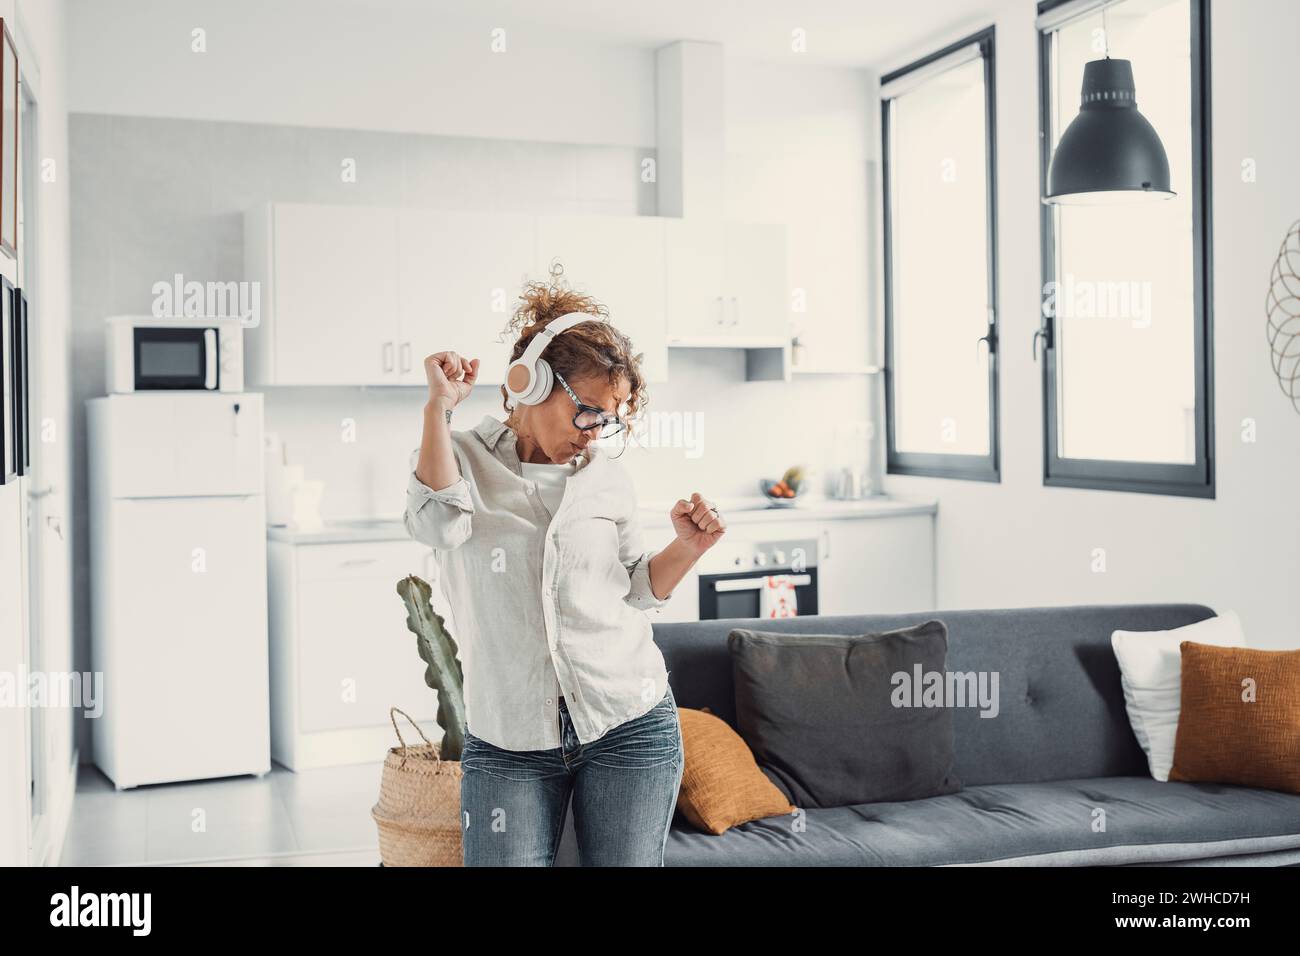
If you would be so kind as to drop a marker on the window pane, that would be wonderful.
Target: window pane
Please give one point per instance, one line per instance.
(1126, 319)
(939, 245)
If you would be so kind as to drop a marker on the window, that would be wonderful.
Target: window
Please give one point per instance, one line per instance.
(940, 258)
(1125, 325)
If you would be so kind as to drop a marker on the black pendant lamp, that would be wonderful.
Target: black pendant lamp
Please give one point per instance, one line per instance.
(1109, 153)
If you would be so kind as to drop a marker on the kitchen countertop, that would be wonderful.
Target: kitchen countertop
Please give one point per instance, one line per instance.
(337, 532)
(738, 511)
(755, 509)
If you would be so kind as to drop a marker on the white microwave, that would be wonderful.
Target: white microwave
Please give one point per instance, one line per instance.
(144, 353)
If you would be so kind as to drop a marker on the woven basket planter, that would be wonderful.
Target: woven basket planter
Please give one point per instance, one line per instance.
(418, 813)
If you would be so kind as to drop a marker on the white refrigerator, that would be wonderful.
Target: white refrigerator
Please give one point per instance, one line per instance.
(178, 585)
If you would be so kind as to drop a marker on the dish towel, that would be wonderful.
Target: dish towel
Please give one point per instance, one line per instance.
(777, 597)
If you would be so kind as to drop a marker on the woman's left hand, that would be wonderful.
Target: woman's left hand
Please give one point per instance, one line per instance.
(697, 523)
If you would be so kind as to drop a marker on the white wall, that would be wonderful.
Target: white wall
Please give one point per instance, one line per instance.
(342, 64)
(1019, 543)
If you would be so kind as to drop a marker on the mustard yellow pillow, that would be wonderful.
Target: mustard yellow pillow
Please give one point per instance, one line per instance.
(722, 785)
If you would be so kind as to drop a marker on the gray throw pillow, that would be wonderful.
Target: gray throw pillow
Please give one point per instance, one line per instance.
(818, 712)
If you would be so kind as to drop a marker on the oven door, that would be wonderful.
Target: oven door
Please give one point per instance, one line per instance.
(737, 595)
(185, 358)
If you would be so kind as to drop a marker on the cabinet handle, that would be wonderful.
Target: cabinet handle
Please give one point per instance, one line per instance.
(406, 356)
(388, 356)
(722, 311)
(826, 545)
(357, 562)
(735, 310)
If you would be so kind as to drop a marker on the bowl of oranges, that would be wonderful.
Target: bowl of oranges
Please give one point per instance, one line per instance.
(784, 492)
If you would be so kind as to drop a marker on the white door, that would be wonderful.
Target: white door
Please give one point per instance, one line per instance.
(357, 658)
(756, 298)
(459, 279)
(619, 260)
(694, 251)
(186, 694)
(335, 314)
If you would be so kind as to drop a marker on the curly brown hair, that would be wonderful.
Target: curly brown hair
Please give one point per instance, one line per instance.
(589, 349)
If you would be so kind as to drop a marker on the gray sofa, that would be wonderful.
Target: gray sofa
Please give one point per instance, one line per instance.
(1060, 747)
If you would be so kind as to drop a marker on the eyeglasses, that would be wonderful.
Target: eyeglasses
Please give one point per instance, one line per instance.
(589, 416)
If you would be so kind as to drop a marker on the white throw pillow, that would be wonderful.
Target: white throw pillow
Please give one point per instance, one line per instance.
(1151, 673)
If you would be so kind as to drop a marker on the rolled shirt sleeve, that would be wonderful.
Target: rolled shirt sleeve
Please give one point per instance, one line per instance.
(636, 560)
(442, 518)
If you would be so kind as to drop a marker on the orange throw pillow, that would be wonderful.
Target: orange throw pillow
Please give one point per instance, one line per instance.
(721, 783)
(1240, 717)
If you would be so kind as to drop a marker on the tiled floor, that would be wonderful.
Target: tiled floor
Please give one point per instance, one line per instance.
(311, 818)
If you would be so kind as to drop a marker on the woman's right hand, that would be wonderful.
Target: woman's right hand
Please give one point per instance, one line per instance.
(451, 377)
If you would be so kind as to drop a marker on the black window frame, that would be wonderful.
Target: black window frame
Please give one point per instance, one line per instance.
(1189, 480)
(986, 467)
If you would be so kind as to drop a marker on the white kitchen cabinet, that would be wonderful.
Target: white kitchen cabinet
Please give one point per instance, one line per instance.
(357, 295)
(619, 260)
(341, 654)
(694, 263)
(329, 292)
(755, 281)
(459, 279)
(726, 283)
(876, 565)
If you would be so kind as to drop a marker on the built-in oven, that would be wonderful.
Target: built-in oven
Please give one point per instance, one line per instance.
(733, 576)
(145, 353)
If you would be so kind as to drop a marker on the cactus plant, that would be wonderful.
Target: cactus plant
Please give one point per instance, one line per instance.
(442, 670)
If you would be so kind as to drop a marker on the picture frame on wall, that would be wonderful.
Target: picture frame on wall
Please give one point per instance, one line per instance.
(8, 386)
(23, 383)
(8, 142)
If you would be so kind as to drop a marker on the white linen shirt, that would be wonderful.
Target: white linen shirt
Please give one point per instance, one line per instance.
(543, 606)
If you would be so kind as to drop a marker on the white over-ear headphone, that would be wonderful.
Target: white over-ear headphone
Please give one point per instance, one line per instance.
(529, 377)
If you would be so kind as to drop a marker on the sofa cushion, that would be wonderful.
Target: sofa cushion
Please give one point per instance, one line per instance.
(1240, 717)
(824, 721)
(1150, 665)
(721, 784)
(1026, 823)
(1061, 709)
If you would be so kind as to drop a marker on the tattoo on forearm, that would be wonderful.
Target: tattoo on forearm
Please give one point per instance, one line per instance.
(447, 412)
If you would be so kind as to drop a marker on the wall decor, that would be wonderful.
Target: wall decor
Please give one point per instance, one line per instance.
(1282, 306)
(8, 383)
(8, 142)
(23, 387)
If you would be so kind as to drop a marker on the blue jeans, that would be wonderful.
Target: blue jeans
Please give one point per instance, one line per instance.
(624, 790)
